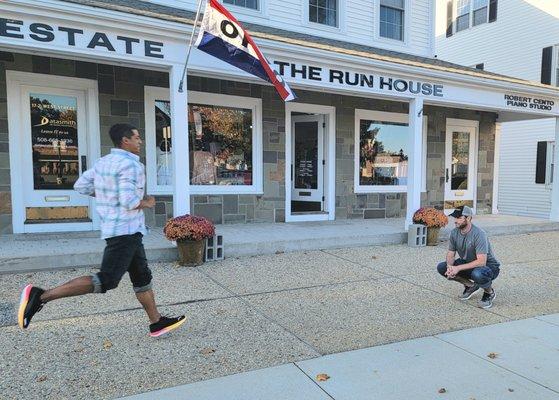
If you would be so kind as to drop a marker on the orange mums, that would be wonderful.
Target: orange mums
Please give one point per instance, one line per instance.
(430, 217)
(188, 227)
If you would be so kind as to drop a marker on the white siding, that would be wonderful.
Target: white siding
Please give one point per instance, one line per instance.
(512, 45)
(518, 192)
(358, 25)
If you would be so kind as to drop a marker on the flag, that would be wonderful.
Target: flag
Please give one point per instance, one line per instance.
(222, 36)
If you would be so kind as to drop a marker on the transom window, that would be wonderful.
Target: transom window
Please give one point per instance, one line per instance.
(392, 19)
(324, 12)
(252, 4)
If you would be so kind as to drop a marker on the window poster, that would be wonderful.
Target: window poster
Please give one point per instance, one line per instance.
(54, 141)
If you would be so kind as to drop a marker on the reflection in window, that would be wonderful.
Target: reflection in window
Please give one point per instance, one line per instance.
(460, 160)
(463, 15)
(54, 141)
(392, 19)
(243, 3)
(383, 158)
(163, 149)
(480, 12)
(323, 12)
(220, 144)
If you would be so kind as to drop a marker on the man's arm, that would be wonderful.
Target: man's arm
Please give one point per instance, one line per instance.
(85, 184)
(480, 261)
(450, 257)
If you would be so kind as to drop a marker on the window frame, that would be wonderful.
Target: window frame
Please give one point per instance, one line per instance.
(152, 93)
(385, 117)
(340, 27)
(406, 22)
(555, 66)
(260, 12)
(470, 16)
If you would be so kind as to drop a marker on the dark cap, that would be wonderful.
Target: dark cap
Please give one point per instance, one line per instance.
(462, 211)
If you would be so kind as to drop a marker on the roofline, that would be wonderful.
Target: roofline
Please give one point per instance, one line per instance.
(454, 74)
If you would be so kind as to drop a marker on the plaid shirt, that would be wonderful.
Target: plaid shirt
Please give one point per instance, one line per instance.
(117, 181)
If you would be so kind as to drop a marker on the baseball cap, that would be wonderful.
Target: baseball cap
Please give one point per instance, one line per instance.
(462, 211)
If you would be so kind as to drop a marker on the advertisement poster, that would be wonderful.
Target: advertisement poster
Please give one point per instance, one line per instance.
(54, 140)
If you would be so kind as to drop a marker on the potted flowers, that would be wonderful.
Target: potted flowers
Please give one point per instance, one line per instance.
(190, 232)
(434, 220)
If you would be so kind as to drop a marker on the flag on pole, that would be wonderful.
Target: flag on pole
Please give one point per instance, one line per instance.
(222, 36)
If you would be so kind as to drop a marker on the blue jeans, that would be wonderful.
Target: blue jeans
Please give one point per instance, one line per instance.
(483, 276)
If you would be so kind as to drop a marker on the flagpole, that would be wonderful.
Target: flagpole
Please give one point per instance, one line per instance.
(190, 45)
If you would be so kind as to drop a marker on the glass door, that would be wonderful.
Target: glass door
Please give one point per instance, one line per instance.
(307, 170)
(460, 177)
(54, 154)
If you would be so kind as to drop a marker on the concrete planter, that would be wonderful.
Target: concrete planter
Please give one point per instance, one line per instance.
(433, 236)
(191, 253)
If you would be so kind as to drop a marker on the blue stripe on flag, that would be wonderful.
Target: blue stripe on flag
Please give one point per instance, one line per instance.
(231, 54)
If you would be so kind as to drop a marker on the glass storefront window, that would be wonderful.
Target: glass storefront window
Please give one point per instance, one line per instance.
(54, 135)
(383, 156)
(220, 145)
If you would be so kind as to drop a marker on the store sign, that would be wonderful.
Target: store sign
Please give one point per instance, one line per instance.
(74, 37)
(355, 79)
(533, 103)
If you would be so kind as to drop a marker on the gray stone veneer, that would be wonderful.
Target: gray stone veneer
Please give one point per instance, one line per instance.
(121, 99)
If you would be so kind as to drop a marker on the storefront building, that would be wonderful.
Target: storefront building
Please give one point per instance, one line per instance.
(372, 134)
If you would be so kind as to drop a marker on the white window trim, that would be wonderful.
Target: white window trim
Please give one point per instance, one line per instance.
(386, 117)
(254, 104)
(555, 66)
(262, 11)
(470, 16)
(407, 22)
(341, 26)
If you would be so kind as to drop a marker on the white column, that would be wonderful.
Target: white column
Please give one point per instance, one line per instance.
(554, 215)
(496, 160)
(179, 135)
(415, 152)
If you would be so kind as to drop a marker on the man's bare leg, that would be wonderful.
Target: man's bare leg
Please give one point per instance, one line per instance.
(463, 281)
(147, 300)
(75, 287)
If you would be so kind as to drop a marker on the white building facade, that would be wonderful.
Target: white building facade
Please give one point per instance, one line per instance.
(517, 38)
(376, 131)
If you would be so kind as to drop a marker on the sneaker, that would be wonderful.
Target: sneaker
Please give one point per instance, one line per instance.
(469, 291)
(29, 304)
(487, 299)
(165, 325)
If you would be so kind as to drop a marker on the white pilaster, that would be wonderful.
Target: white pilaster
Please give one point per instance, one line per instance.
(496, 161)
(554, 214)
(179, 134)
(415, 151)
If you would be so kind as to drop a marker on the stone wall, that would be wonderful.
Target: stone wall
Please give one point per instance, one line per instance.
(121, 99)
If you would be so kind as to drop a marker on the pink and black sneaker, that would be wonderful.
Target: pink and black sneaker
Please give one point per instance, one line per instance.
(165, 325)
(29, 304)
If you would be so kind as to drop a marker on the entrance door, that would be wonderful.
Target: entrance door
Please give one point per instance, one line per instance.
(54, 153)
(307, 170)
(460, 162)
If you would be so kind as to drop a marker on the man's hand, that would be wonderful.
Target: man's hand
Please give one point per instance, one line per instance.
(452, 271)
(146, 202)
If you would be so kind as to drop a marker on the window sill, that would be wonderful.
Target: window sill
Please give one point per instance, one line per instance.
(381, 189)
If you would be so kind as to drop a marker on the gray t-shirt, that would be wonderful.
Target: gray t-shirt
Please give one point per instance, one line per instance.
(472, 243)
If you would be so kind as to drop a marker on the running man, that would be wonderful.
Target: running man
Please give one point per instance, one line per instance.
(117, 181)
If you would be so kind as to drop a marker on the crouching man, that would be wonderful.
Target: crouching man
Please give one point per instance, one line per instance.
(477, 267)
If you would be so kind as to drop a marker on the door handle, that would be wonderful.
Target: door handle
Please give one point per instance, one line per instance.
(446, 175)
(84, 163)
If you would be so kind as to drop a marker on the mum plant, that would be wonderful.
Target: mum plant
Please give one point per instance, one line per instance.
(188, 227)
(430, 217)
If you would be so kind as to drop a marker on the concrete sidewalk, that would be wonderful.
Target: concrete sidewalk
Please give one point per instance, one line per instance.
(511, 360)
(35, 252)
(249, 313)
